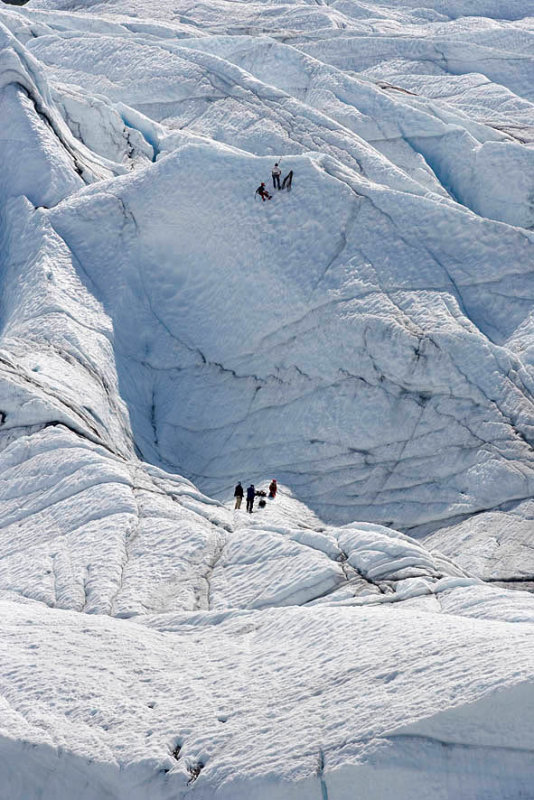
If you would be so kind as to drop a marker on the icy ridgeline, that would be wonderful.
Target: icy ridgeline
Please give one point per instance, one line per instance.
(276, 657)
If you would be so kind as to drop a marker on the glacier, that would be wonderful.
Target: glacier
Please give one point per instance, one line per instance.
(367, 338)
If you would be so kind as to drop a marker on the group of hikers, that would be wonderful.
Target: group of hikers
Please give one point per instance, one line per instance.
(276, 175)
(252, 493)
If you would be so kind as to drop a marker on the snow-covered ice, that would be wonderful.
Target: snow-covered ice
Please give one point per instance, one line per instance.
(367, 339)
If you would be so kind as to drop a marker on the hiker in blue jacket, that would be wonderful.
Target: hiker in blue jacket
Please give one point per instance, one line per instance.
(251, 494)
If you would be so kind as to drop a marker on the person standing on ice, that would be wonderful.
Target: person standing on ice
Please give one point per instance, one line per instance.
(276, 172)
(251, 494)
(238, 494)
(273, 488)
(288, 180)
(263, 193)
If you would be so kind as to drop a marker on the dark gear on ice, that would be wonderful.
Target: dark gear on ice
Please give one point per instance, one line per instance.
(276, 172)
(288, 180)
(238, 494)
(263, 193)
(251, 493)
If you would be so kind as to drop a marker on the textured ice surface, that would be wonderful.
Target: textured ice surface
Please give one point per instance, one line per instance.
(280, 704)
(366, 338)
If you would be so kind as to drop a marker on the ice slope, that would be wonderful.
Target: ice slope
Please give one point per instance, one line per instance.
(408, 147)
(478, 165)
(366, 339)
(496, 545)
(217, 650)
(289, 704)
(413, 406)
(302, 382)
(396, 672)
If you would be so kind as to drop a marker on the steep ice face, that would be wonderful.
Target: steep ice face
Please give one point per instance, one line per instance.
(413, 405)
(370, 374)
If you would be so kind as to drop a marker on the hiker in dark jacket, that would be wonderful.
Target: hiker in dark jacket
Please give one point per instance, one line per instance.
(263, 193)
(276, 172)
(288, 180)
(238, 494)
(251, 493)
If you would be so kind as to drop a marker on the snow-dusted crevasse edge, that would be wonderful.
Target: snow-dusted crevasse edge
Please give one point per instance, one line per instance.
(366, 338)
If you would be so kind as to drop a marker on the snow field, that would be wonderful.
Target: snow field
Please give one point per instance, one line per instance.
(160, 689)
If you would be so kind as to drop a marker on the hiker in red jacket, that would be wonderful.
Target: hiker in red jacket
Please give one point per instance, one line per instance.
(272, 489)
(263, 193)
